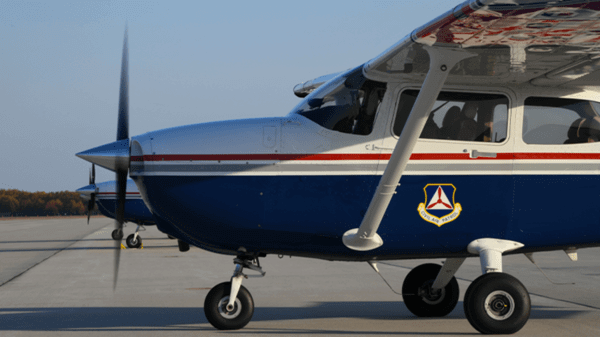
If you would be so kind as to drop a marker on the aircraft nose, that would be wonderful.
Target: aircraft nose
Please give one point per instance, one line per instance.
(113, 156)
(87, 190)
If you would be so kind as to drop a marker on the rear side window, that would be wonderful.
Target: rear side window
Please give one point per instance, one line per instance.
(459, 116)
(560, 121)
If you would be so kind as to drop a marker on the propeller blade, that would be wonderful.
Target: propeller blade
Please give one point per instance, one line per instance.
(93, 174)
(89, 208)
(121, 177)
(121, 172)
(123, 120)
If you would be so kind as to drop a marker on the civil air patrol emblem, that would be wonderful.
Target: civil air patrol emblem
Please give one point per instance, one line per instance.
(438, 208)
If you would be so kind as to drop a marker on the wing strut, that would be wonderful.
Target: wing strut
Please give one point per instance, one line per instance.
(441, 61)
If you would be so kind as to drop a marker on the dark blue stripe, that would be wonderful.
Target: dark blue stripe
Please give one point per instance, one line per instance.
(307, 215)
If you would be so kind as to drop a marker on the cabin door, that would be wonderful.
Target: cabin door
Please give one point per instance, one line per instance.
(457, 186)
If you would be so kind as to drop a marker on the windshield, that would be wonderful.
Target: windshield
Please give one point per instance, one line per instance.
(348, 103)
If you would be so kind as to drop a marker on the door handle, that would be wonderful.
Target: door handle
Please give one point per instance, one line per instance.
(477, 154)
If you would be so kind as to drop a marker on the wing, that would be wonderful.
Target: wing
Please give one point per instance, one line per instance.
(546, 43)
(305, 88)
(481, 42)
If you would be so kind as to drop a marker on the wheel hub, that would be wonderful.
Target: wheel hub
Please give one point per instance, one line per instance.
(229, 314)
(499, 305)
(429, 295)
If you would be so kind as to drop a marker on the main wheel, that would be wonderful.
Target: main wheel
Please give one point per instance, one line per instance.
(117, 234)
(133, 242)
(497, 303)
(216, 312)
(421, 300)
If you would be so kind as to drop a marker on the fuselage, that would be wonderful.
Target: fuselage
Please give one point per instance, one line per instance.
(135, 209)
(292, 186)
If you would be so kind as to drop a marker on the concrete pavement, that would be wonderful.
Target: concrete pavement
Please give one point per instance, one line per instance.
(161, 291)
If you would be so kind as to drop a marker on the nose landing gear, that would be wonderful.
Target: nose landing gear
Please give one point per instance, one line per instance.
(229, 305)
(134, 240)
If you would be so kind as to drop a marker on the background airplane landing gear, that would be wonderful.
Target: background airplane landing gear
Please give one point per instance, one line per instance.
(419, 297)
(133, 242)
(117, 234)
(215, 307)
(497, 303)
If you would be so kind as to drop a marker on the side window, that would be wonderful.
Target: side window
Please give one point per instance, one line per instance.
(459, 116)
(560, 121)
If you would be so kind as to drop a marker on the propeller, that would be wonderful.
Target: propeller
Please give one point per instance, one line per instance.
(92, 200)
(116, 156)
(121, 171)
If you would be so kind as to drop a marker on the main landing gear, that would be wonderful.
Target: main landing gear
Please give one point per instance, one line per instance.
(229, 305)
(495, 303)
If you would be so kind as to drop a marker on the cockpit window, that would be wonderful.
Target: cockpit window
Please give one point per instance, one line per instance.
(347, 103)
(459, 116)
(548, 120)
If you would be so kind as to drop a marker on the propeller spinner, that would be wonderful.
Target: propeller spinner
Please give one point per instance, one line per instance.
(115, 156)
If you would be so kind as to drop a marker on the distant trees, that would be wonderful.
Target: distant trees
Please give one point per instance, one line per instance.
(20, 203)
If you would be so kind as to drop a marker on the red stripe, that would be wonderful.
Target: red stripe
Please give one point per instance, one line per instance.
(241, 157)
(543, 155)
(360, 156)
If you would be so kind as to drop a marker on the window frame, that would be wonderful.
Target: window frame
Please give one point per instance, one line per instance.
(509, 118)
(561, 145)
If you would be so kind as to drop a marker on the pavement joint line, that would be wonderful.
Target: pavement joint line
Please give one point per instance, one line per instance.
(543, 296)
(58, 251)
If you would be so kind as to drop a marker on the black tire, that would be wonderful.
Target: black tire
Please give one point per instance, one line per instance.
(117, 235)
(217, 315)
(131, 243)
(497, 303)
(183, 246)
(171, 237)
(418, 297)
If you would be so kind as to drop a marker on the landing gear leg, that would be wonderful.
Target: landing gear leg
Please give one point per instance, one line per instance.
(134, 240)
(229, 305)
(496, 303)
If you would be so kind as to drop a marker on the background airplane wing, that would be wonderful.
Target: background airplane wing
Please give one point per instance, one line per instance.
(546, 43)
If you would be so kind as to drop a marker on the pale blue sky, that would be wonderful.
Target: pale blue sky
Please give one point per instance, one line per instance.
(190, 62)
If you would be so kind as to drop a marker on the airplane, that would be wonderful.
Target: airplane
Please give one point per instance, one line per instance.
(104, 196)
(474, 136)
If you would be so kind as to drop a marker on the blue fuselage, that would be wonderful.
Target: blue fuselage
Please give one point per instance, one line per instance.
(307, 215)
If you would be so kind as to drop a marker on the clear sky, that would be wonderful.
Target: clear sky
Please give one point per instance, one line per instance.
(189, 62)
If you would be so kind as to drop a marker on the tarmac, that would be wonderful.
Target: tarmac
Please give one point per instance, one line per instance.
(56, 280)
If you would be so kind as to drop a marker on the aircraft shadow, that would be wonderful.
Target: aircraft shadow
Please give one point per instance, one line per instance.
(77, 248)
(187, 319)
(74, 240)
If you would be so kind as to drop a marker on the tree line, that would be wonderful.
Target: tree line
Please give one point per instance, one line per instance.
(21, 203)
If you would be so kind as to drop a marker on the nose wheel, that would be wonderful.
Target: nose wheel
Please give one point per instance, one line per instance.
(229, 305)
(135, 240)
(232, 318)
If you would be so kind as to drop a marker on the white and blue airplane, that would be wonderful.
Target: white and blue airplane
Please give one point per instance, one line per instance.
(105, 197)
(474, 136)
